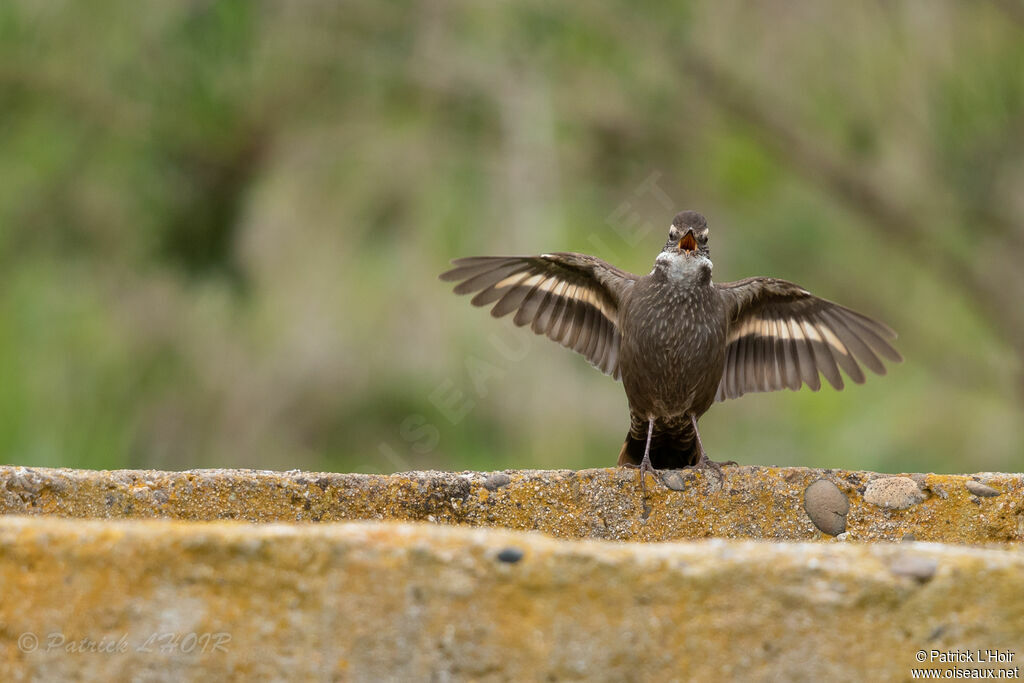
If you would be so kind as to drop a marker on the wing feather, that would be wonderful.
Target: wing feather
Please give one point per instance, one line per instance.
(781, 336)
(854, 342)
(842, 352)
(571, 298)
(486, 280)
(823, 355)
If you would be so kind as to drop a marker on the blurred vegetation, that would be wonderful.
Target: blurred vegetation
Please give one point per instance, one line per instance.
(221, 222)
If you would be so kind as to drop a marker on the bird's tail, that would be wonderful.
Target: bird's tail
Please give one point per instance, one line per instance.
(673, 444)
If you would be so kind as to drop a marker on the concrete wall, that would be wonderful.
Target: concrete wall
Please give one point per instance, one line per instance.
(171, 599)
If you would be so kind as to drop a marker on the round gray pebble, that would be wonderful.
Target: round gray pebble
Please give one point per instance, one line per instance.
(827, 507)
(496, 480)
(981, 490)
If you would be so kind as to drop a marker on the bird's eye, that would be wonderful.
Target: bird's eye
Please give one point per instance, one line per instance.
(703, 238)
(673, 234)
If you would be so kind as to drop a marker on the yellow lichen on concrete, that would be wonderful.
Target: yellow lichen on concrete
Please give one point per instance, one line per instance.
(385, 601)
(751, 502)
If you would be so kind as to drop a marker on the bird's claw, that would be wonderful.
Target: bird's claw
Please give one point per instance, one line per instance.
(646, 467)
(706, 463)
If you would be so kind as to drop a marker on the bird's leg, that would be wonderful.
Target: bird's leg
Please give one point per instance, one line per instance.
(645, 464)
(704, 462)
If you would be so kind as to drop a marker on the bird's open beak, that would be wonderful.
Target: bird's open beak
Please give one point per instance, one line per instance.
(688, 243)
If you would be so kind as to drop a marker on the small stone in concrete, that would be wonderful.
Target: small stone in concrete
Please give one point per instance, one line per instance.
(938, 490)
(915, 567)
(510, 555)
(981, 490)
(792, 476)
(894, 493)
(495, 481)
(674, 481)
(827, 507)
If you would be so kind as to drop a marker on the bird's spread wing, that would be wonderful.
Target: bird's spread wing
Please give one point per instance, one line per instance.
(571, 298)
(782, 336)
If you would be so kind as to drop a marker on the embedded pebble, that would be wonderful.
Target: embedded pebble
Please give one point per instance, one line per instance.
(981, 490)
(510, 555)
(496, 480)
(894, 493)
(674, 480)
(827, 506)
(920, 568)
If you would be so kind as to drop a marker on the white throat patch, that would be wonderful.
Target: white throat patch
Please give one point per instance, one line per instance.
(680, 266)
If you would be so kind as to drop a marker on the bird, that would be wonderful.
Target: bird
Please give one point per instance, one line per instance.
(678, 340)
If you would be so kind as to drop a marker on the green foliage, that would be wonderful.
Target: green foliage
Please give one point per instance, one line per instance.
(221, 222)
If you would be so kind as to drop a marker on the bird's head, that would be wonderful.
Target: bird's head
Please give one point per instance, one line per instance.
(687, 246)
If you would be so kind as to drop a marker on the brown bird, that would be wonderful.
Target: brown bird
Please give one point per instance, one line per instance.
(677, 340)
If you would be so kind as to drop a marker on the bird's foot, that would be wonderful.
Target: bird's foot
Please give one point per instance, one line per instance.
(706, 463)
(645, 467)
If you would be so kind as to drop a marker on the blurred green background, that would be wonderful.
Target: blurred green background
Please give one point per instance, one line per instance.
(221, 223)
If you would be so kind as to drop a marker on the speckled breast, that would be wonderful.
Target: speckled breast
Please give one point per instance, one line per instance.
(673, 347)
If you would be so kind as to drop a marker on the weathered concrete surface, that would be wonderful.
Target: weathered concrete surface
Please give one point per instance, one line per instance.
(753, 502)
(384, 601)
